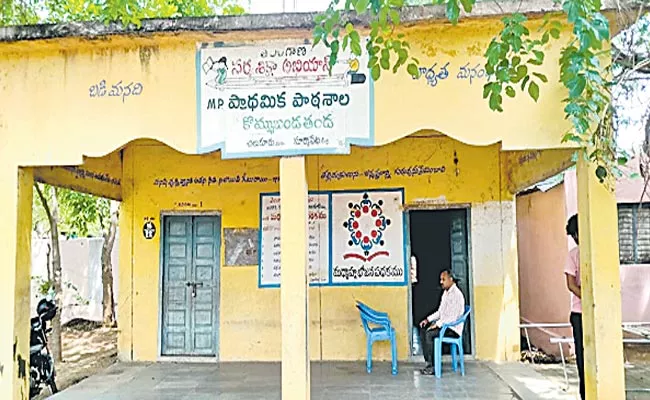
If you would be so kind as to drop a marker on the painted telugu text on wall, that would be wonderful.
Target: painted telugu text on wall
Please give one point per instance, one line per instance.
(118, 89)
(81, 173)
(441, 71)
(175, 182)
(383, 174)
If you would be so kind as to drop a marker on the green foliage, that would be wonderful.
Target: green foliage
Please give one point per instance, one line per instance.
(82, 214)
(22, 12)
(512, 58)
(386, 50)
(513, 62)
(45, 288)
(127, 12)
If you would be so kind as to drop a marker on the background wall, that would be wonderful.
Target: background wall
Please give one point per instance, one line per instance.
(543, 247)
(249, 316)
(81, 267)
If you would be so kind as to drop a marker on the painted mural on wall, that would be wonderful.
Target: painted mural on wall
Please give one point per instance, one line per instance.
(355, 238)
(280, 99)
(367, 238)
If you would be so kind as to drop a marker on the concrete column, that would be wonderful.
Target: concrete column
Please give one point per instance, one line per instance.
(509, 332)
(601, 287)
(124, 302)
(16, 188)
(294, 280)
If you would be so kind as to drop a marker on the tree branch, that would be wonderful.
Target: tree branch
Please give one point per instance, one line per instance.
(46, 206)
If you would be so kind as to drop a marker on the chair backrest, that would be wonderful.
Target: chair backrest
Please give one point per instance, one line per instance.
(468, 309)
(365, 307)
(462, 319)
(369, 315)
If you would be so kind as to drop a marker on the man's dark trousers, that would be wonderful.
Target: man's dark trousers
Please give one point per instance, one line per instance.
(427, 336)
(576, 323)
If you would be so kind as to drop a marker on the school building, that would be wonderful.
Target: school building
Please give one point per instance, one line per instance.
(243, 165)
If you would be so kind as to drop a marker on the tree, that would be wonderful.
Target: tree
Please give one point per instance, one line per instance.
(109, 234)
(26, 12)
(77, 214)
(50, 204)
(512, 57)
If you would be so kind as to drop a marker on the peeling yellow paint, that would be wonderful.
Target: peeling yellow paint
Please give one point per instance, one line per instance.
(521, 169)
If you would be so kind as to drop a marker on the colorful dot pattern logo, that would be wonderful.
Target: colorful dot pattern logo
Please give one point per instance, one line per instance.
(366, 225)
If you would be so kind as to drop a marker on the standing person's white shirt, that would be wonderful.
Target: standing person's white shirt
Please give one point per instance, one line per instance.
(414, 269)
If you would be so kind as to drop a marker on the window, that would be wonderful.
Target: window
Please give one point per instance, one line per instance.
(634, 233)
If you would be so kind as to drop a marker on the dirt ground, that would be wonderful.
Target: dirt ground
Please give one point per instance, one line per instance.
(87, 350)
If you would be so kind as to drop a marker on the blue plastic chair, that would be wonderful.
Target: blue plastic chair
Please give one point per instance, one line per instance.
(456, 347)
(382, 331)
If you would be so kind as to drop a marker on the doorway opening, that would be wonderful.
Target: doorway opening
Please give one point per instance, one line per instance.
(439, 241)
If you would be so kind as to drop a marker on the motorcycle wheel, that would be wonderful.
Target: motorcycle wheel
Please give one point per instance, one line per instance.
(33, 392)
(52, 383)
(53, 387)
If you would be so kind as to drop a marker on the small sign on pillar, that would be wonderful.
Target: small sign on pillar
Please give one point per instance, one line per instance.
(149, 228)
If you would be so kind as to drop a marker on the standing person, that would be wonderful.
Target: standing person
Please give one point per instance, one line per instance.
(414, 269)
(452, 307)
(573, 283)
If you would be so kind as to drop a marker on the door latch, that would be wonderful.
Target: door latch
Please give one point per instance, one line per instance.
(194, 285)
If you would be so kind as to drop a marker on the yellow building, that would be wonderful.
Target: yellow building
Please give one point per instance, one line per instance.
(115, 112)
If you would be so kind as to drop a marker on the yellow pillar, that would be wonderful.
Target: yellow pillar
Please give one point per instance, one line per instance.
(16, 188)
(294, 279)
(124, 304)
(509, 332)
(601, 287)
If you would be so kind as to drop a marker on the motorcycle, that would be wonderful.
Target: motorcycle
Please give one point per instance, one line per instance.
(41, 363)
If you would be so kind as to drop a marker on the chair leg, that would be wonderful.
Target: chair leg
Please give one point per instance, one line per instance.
(454, 360)
(437, 355)
(461, 358)
(566, 377)
(393, 351)
(369, 356)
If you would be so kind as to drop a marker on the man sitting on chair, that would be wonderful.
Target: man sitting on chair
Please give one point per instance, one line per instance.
(452, 307)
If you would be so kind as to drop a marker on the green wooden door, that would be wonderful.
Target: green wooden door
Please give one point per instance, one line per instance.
(460, 265)
(191, 285)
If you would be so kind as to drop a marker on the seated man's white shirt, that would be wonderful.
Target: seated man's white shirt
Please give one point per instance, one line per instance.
(451, 308)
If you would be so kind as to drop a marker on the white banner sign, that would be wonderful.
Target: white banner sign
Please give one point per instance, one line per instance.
(280, 99)
(270, 266)
(368, 238)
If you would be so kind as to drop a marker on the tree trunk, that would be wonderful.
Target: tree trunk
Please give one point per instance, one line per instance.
(52, 212)
(108, 300)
